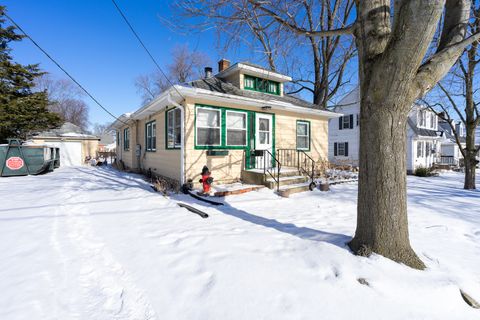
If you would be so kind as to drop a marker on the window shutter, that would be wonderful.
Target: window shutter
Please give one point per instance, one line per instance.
(346, 149)
(351, 121)
(335, 149)
(340, 122)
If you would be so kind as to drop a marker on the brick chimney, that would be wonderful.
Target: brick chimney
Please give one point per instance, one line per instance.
(223, 64)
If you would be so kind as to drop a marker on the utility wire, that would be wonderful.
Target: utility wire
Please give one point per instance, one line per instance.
(144, 46)
(61, 68)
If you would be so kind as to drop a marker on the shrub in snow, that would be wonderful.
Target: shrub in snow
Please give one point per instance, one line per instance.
(424, 172)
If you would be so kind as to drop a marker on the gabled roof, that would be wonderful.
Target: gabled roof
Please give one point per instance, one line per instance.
(220, 91)
(215, 84)
(447, 131)
(67, 130)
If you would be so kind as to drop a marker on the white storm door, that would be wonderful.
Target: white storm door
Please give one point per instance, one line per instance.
(263, 138)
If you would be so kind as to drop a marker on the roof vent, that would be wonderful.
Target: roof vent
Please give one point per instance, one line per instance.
(208, 72)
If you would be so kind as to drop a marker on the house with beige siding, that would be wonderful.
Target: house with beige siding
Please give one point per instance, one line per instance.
(239, 123)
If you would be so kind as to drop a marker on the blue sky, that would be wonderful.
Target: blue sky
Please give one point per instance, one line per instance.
(90, 40)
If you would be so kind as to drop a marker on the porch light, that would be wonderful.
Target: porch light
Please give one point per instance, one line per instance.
(266, 107)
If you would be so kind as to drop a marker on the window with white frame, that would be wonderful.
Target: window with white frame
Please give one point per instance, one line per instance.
(303, 135)
(126, 139)
(422, 118)
(420, 148)
(174, 129)
(236, 128)
(208, 126)
(151, 136)
(346, 122)
(432, 120)
(340, 149)
(428, 149)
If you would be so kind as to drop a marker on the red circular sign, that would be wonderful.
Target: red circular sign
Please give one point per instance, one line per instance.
(14, 163)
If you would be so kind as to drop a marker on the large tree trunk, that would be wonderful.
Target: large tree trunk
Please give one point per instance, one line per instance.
(469, 157)
(382, 225)
(470, 171)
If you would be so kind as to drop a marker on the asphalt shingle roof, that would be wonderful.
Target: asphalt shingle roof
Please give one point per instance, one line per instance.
(215, 84)
(421, 131)
(445, 128)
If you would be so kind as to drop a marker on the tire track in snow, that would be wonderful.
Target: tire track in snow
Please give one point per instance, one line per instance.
(103, 288)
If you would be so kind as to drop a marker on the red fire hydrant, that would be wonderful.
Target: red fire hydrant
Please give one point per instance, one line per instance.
(206, 180)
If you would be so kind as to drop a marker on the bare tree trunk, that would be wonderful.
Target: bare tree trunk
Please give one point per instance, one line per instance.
(382, 223)
(470, 171)
(469, 159)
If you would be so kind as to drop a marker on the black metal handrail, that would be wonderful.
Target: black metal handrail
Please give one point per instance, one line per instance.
(297, 158)
(268, 169)
(306, 160)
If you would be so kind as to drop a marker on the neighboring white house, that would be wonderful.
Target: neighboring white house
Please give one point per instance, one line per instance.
(343, 133)
(423, 141)
(450, 153)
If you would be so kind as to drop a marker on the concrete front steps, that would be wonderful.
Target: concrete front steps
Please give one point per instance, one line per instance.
(290, 181)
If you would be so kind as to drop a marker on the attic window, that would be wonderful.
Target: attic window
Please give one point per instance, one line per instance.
(261, 85)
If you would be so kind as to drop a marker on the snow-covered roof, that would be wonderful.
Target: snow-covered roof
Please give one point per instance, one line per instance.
(254, 70)
(67, 130)
(214, 89)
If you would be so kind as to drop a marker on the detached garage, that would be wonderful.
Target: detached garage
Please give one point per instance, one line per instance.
(74, 144)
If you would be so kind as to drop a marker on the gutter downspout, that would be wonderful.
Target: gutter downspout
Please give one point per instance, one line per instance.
(182, 138)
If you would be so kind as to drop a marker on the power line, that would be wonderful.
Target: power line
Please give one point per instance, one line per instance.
(61, 68)
(144, 46)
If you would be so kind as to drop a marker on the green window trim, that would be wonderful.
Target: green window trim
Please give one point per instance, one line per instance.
(308, 134)
(126, 139)
(221, 126)
(255, 84)
(236, 129)
(151, 146)
(223, 129)
(175, 145)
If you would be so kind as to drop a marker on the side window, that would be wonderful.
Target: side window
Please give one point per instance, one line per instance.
(208, 127)
(174, 129)
(126, 139)
(340, 149)
(303, 135)
(346, 122)
(151, 136)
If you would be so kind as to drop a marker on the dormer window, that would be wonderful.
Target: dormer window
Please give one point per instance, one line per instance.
(261, 85)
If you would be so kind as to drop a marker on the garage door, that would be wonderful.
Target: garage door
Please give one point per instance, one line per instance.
(70, 153)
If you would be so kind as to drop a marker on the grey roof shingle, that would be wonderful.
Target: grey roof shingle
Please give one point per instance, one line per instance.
(421, 131)
(446, 129)
(215, 84)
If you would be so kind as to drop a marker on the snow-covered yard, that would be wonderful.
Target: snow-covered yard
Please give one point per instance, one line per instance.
(93, 243)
